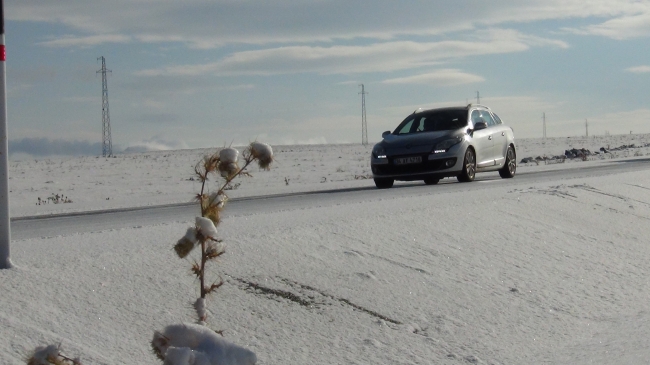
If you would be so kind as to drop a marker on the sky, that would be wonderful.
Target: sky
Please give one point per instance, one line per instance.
(206, 73)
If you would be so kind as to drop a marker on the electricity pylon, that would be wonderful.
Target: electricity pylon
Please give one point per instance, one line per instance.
(107, 144)
(364, 124)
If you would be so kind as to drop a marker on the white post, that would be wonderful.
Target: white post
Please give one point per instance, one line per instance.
(5, 228)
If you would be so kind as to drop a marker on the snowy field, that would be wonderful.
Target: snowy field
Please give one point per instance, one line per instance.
(162, 177)
(528, 273)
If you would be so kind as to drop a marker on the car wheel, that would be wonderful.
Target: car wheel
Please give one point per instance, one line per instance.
(384, 183)
(510, 167)
(469, 167)
(431, 181)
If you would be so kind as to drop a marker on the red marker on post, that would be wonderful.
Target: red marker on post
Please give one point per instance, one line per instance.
(5, 230)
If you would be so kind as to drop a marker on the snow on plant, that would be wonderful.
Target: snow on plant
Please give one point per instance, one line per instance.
(194, 344)
(46, 355)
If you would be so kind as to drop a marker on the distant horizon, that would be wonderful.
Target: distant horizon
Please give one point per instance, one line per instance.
(118, 150)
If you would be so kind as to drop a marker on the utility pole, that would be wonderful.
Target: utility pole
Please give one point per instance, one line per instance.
(478, 98)
(587, 127)
(107, 144)
(5, 227)
(544, 124)
(364, 124)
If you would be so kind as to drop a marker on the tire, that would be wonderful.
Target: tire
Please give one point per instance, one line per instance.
(384, 183)
(510, 168)
(431, 181)
(469, 167)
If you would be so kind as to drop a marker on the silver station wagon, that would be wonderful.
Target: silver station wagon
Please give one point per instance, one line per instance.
(433, 144)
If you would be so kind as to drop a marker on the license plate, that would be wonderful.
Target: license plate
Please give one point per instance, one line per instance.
(407, 160)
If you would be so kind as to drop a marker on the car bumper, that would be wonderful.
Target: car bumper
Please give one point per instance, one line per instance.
(432, 166)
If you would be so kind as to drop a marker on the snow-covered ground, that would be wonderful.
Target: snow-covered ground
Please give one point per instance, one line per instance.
(552, 272)
(153, 178)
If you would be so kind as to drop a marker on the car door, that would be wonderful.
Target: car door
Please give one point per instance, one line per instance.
(493, 135)
(482, 141)
(500, 141)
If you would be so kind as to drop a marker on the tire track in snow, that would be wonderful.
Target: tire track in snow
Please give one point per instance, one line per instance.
(305, 299)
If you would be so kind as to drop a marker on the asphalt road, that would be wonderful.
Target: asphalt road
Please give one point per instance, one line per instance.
(64, 224)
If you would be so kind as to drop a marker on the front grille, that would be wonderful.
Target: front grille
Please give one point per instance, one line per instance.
(423, 167)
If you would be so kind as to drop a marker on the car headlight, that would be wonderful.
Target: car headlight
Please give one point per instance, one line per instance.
(378, 152)
(445, 145)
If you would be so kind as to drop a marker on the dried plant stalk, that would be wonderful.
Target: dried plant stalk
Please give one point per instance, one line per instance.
(223, 163)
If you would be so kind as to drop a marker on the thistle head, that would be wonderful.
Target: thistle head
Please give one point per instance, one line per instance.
(261, 152)
(218, 200)
(46, 355)
(228, 155)
(212, 205)
(186, 244)
(228, 170)
(206, 227)
(210, 162)
(213, 214)
(228, 167)
(214, 249)
(159, 345)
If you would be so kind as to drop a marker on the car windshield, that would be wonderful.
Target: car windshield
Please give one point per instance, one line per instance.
(434, 120)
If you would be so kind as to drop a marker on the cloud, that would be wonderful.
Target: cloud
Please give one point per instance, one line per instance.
(376, 57)
(639, 69)
(45, 147)
(155, 144)
(208, 24)
(88, 41)
(624, 27)
(59, 147)
(445, 77)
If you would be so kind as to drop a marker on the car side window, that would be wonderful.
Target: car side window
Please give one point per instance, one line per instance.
(488, 118)
(407, 127)
(419, 125)
(476, 117)
(497, 119)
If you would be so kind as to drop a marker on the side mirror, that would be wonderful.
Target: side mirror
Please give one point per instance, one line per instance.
(383, 135)
(480, 125)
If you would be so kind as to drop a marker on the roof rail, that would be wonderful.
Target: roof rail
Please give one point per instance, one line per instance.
(481, 105)
(417, 110)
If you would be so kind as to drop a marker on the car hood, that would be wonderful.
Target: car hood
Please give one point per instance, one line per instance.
(412, 143)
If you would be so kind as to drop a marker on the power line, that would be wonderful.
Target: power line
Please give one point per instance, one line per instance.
(107, 144)
(364, 124)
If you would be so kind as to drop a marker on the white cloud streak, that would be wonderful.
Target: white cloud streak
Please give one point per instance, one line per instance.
(625, 27)
(378, 57)
(639, 69)
(445, 77)
(88, 41)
